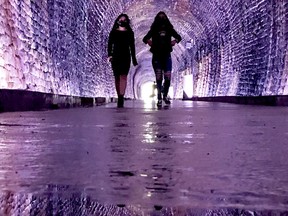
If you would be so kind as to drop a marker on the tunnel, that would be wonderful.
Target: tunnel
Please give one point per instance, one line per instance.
(143, 161)
(229, 48)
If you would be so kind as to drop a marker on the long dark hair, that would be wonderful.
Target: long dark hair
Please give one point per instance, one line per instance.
(116, 25)
(158, 22)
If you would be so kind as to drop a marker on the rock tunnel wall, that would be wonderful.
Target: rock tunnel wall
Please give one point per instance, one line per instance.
(52, 46)
(59, 46)
(247, 53)
(41, 46)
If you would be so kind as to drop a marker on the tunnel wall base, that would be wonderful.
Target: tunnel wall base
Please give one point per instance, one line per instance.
(276, 100)
(21, 100)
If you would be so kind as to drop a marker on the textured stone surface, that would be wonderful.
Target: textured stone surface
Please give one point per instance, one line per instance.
(56, 201)
(59, 46)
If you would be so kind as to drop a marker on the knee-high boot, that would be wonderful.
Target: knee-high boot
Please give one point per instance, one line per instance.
(166, 87)
(159, 89)
(120, 102)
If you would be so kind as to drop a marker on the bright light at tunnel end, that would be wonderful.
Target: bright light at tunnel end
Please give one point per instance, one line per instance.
(148, 92)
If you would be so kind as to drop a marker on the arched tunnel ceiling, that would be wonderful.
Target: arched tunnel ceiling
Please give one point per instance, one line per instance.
(239, 46)
(193, 20)
(234, 44)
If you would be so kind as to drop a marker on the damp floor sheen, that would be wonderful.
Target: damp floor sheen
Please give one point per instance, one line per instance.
(189, 158)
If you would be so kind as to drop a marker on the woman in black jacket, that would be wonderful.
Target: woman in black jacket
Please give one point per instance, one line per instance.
(159, 38)
(121, 47)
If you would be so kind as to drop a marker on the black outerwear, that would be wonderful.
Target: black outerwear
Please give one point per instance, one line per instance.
(121, 46)
(161, 40)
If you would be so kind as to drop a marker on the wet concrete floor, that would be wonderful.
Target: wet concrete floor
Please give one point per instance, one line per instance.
(191, 158)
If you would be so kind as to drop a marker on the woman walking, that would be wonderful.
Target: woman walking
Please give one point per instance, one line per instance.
(159, 38)
(121, 47)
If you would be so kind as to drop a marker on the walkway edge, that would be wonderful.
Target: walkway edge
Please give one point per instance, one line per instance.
(275, 100)
(22, 100)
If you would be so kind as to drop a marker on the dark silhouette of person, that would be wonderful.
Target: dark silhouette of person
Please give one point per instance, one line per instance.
(121, 47)
(159, 38)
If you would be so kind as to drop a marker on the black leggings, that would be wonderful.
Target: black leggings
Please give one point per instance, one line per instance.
(162, 66)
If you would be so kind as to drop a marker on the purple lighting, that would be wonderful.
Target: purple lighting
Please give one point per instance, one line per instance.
(59, 46)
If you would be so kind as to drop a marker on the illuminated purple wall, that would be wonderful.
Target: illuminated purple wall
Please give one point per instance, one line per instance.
(59, 46)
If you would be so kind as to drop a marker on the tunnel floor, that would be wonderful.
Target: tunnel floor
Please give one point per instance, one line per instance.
(191, 158)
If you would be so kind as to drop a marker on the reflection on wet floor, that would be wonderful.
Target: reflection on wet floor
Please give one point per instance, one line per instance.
(189, 159)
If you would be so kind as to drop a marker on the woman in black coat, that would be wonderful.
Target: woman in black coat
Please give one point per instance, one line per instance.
(121, 47)
(159, 38)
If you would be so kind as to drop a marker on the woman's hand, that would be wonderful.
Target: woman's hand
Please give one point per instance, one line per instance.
(173, 42)
(109, 59)
(149, 42)
(134, 61)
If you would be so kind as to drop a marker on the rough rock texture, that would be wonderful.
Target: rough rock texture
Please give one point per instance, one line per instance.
(59, 46)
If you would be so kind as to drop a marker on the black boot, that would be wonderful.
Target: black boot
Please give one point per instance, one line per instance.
(159, 92)
(165, 91)
(120, 102)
